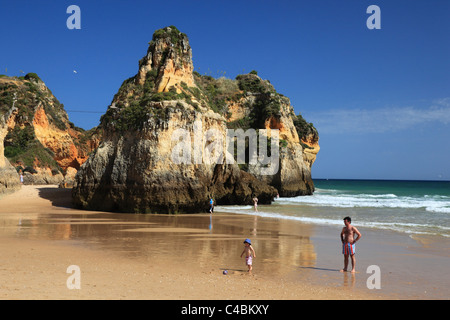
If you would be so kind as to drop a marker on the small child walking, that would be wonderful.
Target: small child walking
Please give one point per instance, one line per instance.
(249, 254)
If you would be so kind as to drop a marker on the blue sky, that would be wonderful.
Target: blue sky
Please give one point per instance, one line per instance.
(380, 99)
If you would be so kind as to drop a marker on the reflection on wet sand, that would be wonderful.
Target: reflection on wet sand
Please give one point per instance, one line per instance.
(349, 280)
(40, 231)
(206, 239)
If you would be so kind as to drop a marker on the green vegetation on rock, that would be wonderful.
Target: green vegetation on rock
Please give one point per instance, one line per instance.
(21, 146)
(304, 129)
(28, 94)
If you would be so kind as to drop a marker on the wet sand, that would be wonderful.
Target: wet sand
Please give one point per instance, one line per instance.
(129, 256)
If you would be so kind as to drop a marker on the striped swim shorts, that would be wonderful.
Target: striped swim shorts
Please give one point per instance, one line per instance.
(248, 260)
(348, 249)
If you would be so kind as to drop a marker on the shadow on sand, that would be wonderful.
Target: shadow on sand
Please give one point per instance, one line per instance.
(59, 197)
(321, 269)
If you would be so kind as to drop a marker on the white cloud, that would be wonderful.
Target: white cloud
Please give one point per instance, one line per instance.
(379, 120)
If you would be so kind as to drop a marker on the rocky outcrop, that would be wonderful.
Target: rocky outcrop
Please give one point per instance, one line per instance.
(155, 144)
(60, 141)
(135, 171)
(9, 178)
(40, 141)
(297, 153)
(168, 60)
(136, 167)
(42, 176)
(257, 105)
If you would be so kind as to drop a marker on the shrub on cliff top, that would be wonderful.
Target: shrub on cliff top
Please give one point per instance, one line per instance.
(171, 32)
(267, 101)
(250, 83)
(32, 76)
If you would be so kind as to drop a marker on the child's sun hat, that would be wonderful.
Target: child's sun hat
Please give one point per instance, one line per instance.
(248, 241)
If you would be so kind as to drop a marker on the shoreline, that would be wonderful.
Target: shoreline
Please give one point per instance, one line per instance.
(182, 257)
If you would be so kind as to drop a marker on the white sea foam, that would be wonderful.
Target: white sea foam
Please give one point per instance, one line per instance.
(382, 211)
(440, 204)
(409, 228)
(275, 215)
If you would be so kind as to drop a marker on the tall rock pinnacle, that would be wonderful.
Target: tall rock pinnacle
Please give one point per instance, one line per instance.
(168, 61)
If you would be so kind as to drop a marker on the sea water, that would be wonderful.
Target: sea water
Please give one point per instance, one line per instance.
(412, 207)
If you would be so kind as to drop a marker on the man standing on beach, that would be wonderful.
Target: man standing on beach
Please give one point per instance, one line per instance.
(349, 236)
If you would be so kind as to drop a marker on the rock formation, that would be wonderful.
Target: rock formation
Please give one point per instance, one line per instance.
(9, 178)
(139, 165)
(168, 59)
(259, 106)
(39, 139)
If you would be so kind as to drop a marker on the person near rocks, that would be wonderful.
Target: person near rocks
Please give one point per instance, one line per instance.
(255, 204)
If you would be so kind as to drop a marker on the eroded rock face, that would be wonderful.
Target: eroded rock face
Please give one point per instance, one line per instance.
(61, 142)
(135, 171)
(263, 108)
(168, 59)
(39, 136)
(9, 178)
(134, 168)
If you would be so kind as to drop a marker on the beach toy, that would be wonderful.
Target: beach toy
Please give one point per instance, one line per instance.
(225, 272)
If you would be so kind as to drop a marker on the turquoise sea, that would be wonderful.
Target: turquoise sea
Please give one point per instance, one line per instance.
(411, 207)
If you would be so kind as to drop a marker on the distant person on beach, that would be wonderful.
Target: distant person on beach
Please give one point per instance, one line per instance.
(211, 205)
(349, 236)
(249, 254)
(255, 203)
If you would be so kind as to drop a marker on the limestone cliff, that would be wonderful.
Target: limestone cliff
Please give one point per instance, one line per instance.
(39, 140)
(251, 102)
(168, 61)
(137, 166)
(9, 178)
